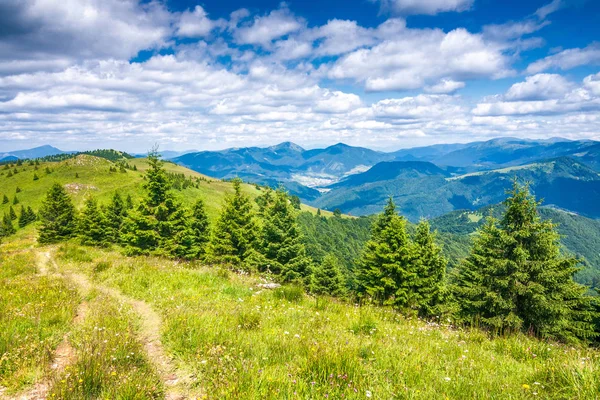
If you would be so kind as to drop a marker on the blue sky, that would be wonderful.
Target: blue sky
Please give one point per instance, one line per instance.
(385, 74)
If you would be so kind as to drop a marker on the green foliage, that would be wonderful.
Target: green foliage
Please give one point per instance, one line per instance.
(57, 214)
(15, 200)
(93, 227)
(385, 269)
(35, 177)
(327, 278)
(200, 230)
(431, 269)
(516, 278)
(6, 226)
(116, 212)
(159, 225)
(291, 293)
(5, 199)
(26, 216)
(281, 241)
(11, 213)
(235, 233)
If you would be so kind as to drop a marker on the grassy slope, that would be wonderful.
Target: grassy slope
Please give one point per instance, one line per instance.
(96, 180)
(238, 341)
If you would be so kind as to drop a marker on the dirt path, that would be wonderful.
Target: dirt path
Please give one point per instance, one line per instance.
(151, 322)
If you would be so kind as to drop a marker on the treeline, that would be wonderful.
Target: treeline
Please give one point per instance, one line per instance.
(515, 277)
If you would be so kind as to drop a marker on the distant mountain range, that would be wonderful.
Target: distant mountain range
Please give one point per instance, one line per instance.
(424, 181)
(36, 152)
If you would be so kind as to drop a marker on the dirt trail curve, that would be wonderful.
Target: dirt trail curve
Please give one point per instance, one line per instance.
(151, 322)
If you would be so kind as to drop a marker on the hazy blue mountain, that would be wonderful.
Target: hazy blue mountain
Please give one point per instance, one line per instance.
(36, 152)
(421, 190)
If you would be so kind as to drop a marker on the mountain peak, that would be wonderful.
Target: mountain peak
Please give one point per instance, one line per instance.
(288, 146)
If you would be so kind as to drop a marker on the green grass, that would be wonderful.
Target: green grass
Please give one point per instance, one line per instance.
(35, 312)
(242, 342)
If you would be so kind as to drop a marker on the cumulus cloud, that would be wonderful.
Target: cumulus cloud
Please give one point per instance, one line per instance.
(196, 23)
(445, 86)
(544, 94)
(263, 30)
(539, 87)
(39, 31)
(567, 59)
(415, 57)
(424, 7)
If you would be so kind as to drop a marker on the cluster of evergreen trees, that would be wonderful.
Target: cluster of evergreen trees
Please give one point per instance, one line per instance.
(514, 279)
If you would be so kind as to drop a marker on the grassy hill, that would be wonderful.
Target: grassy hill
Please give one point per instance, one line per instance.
(85, 175)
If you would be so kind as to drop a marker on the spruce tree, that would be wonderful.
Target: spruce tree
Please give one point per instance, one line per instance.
(281, 241)
(327, 278)
(386, 271)
(116, 212)
(431, 270)
(159, 223)
(5, 199)
(57, 214)
(235, 233)
(92, 227)
(6, 226)
(15, 200)
(516, 279)
(11, 213)
(23, 221)
(35, 177)
(200, 229)
(31, 216)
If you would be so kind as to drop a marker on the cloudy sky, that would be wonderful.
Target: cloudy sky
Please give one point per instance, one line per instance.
(385, 74)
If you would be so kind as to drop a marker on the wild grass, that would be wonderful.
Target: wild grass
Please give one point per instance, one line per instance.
(110, 360)
(243, 342)
(35, 312)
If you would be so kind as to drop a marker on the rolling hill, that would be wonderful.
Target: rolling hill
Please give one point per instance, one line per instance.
(36, 152)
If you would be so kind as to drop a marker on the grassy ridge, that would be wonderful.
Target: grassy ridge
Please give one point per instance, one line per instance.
(89, 175)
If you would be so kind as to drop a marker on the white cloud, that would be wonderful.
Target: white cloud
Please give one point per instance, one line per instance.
(337, 102)
(415, 57)
(445, 86)
(418, 107)
(426, 7)
(196, 23)
(550, 8)
(592, 83)
(263, 30)
(567, 59)
(543, 94)
(539, 87)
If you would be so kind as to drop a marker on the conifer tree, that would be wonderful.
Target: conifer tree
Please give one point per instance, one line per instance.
(6, 226)
(11, 213)
(15, 200)
(57, 214)
(31, 216)
(5, 199)
(116, 212)
(327, 278)
(158, 224)
(235, 233)
(18, 190)
(129, 202)
(35, 177)
(431, 271)
(92, 227)
(23, 217)
(200, 229)
(386, 271)
(9, 174)
(516, 279)
(281, 240)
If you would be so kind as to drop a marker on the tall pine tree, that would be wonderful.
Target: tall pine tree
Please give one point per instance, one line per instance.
(281, 241)
(386, 271)
(159, 223)
(57, 214)
(116, 212)
(234, 236)
(431, 271)
(516, 279)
